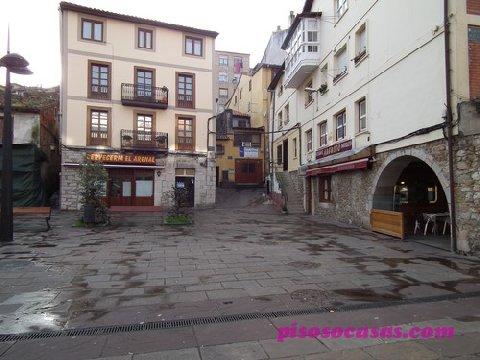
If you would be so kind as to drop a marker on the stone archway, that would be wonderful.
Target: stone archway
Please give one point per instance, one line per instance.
(394, 164)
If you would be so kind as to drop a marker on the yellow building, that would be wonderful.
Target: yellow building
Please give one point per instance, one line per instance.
(136, 95)
(239, 150)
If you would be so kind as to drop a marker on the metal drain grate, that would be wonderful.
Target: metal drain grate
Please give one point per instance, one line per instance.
(158, 325)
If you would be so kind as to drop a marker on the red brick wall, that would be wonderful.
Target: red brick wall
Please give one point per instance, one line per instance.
(474, 61)
(473, 7)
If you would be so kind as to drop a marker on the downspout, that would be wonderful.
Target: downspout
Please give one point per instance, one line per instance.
(270, 160)
(449, 125)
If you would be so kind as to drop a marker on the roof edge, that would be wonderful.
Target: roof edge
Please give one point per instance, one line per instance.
(134, 19)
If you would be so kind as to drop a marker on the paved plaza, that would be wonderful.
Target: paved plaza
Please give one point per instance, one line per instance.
(241, 257)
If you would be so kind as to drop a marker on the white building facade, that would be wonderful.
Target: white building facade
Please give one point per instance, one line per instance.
(360, 115)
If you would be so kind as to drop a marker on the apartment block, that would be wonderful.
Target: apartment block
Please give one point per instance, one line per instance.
(360, 112)
(136, 96)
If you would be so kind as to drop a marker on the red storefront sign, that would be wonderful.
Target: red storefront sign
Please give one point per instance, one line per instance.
(361, 164)
(334, 149)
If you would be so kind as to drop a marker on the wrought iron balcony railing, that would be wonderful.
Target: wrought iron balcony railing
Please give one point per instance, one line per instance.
(144, 96)
(143, 140)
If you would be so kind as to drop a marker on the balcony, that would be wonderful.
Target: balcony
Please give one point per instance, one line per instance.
(144, 96)
(303, 52)
(143, 140)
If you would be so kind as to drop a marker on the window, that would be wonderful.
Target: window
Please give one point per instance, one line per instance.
(322, 131)
(286, 110)
(99, 84)
(341, 122)
(308, 136)
(362, 114)
(144, 127)
(324, 80)
(280, 91)
(249, 85)
(193, 46)
(341, 63)
(222, 77)
(279, 155)
(240, 94)
(144, 82)
(325, 189)
(92, 30)
(312, 36)
(223, 60)
(236, 100)
(360, 44)
(98, 127)
(220, 149)
(185, 133)
(240, 137)
(294, 148)
(237, 65)
(341, 6)
(308, 94)
(236, 79)
(145, 39)
(185, 90)
(223, 93)
(280, 119)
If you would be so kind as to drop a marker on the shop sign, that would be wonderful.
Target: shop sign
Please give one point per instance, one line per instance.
(248, 152)
(334, 149)
(122, 158)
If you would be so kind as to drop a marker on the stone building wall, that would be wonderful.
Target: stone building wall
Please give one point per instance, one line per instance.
(353, 192)
(163, 181)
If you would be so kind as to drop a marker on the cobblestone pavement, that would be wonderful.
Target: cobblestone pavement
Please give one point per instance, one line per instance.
(242, 256)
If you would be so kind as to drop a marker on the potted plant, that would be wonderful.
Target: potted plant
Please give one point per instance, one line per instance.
(93, 178)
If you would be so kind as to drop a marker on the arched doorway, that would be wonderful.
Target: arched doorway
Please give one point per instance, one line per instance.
(408, 187)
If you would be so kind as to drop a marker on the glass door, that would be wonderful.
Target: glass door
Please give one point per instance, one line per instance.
(144, 83)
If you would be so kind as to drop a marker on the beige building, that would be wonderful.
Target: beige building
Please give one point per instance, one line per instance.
(136, 95)
(227, 69)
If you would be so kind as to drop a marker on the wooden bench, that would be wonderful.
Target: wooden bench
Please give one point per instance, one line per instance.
(33, 211)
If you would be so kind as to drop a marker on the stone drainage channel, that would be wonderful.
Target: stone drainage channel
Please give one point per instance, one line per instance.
(170, 324)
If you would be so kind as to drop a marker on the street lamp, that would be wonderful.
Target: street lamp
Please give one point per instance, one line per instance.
(13, 63)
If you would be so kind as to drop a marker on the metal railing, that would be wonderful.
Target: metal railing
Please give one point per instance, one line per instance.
(141, 95)
(143, 140)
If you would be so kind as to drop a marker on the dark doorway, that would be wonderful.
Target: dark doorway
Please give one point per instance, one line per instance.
(216, 176)
(285, 155)
(187, 183)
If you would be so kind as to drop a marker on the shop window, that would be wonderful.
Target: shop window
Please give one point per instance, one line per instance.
(325, 189)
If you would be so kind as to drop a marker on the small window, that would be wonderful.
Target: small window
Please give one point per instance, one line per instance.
(325, 189)
(280, 91)
(294, 148)
(185, 133)
(99, 84)
(341, 122)
(236, 100)
(341, 63)
(279, 155)
(249, 85)
(92, 30)
(222, 77)
(341, 6)
(308, 137)
(223, 93)
(223, 60)
(185, 91)
(308, 93)
(286, 110)
(98, 134)
(240, 94)
(280, 119)
(193, 46)
(145, 39)
(220, 149)
(360, 44)
(322, 131)
(362, 114)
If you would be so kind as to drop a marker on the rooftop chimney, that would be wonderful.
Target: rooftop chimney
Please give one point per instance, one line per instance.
(291, 17)
(279, 28)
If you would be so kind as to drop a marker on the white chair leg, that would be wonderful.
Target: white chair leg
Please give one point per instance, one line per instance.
(426, 227)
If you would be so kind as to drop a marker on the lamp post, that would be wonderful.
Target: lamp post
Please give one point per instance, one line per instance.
(13, 63)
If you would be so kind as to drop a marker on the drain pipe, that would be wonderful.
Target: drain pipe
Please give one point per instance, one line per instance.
(449, 125)
(271, 131)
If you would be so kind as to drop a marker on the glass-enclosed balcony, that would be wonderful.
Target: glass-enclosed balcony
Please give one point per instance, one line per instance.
(303, 52)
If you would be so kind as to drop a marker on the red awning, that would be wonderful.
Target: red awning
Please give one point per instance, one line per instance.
(347, 166)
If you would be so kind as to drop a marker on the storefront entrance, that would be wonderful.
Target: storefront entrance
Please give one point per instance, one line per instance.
(130, 187)
(188, 184)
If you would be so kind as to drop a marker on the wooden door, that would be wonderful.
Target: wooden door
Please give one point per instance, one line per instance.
(248, 172)
(120, 187)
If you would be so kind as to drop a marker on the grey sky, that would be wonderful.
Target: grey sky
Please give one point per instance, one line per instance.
(244, 26)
